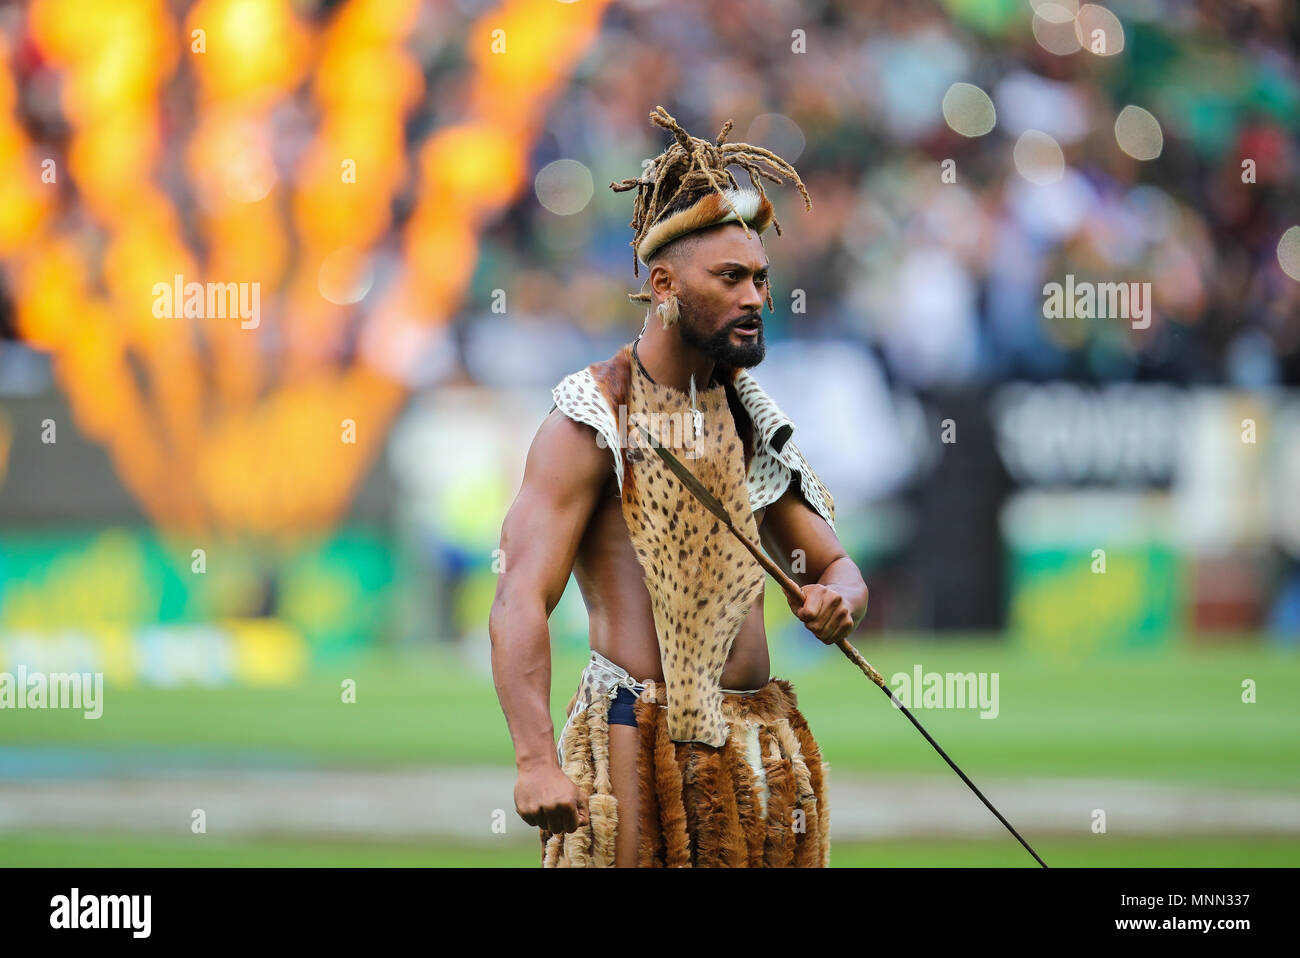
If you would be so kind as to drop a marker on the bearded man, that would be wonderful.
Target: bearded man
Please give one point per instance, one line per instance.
(680, 748)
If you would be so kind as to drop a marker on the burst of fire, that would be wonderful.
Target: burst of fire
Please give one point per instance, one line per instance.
(218, 424)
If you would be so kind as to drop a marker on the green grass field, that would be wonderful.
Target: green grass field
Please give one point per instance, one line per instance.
(103, 850)
(1174, 717)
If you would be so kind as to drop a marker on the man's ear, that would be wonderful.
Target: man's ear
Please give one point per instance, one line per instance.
(662, 280)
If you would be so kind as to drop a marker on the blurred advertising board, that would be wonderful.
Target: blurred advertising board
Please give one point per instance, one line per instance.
(1144, 511)
(144, 608)
(1092, 571)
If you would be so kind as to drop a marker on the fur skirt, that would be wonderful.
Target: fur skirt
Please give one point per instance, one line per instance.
(757, 801)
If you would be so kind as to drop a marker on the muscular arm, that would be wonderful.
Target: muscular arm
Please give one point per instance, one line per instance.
(563, 476)
(835, 595)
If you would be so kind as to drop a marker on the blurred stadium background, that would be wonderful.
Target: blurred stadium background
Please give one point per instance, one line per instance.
(238, 518)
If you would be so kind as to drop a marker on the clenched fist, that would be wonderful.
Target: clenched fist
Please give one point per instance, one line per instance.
(825, 612)
(546, 798)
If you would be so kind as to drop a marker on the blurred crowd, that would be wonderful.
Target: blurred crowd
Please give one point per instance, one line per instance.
(942, 280)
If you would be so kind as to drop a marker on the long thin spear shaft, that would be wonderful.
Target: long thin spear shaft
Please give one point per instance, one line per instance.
(856, 657)
(795, 593)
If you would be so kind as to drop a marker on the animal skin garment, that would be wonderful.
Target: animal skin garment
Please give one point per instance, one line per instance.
(702, 581)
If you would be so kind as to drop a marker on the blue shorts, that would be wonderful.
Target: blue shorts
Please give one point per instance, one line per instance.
(622, 709)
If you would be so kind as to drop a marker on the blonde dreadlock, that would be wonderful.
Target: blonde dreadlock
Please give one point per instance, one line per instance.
(688, 168)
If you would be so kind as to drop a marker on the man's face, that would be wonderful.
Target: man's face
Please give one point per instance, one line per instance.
(723, 282)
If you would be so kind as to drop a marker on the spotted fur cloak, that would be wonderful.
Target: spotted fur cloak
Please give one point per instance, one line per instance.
(701, 581)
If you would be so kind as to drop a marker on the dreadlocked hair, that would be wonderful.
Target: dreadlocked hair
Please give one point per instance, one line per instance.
(677, 177)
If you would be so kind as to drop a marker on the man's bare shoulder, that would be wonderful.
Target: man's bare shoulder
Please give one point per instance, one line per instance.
(568, 454)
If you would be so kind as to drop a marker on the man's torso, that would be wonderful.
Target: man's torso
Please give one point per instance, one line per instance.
(611, 579)
(622, 626)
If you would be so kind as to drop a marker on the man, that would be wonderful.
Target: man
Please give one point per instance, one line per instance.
(679, 748)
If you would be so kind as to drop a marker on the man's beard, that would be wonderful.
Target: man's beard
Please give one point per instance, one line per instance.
(719, 346)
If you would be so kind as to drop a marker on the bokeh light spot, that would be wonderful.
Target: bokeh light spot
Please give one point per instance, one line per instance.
(968, 110)
(1138, 134)
(1288, 253)
(345, 276)
(564, 187)
(1099, 30)
(1038, 157)
(778, 133)
(248, 175)
(1053, 28)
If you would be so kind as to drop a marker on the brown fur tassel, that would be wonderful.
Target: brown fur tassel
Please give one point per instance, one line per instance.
(650, 842)
(576, 845)
(749, 816)
(732, 841)
(602, 806)
(668, 793)
(716, 832)
(778, 850)
(807, 825)
(688, 762)
(819, 776)
(700, 805)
